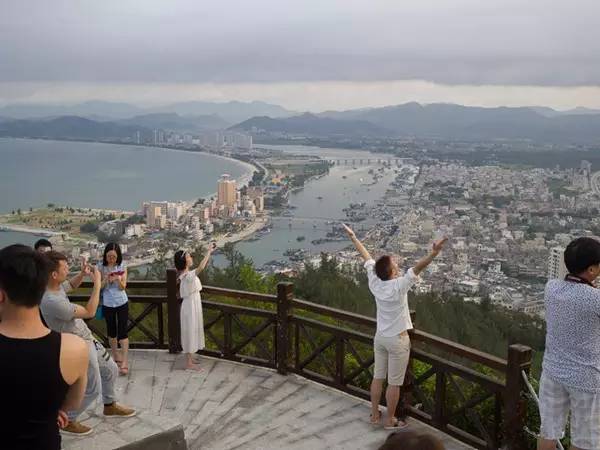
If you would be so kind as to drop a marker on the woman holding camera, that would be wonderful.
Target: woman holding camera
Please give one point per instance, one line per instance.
(192, 322)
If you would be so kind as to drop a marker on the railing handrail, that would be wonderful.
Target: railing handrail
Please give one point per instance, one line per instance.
(142, 298)
(455, 348)
(334, 313)
(138, 284)
(460, 350)
(232, 293)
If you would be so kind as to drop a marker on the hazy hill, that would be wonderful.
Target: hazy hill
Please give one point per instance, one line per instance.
(175, 122)
(231, 112)
(68, 127)
(312, 125)
(463, 122)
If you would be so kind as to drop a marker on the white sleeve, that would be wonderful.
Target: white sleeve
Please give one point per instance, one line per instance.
(187, 285)
(405, 282)
(370, 266)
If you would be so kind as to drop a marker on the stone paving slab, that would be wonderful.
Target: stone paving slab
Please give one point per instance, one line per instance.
(145, 431)
(234, 406)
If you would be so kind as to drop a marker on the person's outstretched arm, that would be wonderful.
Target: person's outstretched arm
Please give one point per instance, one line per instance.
(211, 248)
(359, 246)
(76, 281)
(425, 261)
(89, 311)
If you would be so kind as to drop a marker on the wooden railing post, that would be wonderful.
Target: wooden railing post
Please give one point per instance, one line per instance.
(439, 405)
(285, 293)
(519, 359)
(173, 312)
(340, 356)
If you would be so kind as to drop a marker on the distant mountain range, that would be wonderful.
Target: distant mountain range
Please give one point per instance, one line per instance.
(175, 122)
(444, 121)
(437, 121)
(549, 112)
(312, 125)
(231, 112)
(69, 127)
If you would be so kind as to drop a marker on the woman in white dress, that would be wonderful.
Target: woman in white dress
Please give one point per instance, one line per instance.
(192, 323)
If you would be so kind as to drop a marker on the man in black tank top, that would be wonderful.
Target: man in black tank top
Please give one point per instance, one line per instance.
(42, 372)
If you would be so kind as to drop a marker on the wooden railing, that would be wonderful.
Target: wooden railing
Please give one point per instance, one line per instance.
(474, 396)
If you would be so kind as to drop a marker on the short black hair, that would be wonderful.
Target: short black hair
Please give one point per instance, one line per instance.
(411, 440)
(23, 275)
(42, 243)
(383, 267)
(582, 253)
(54, 258)
(179, 259)
(109, 247)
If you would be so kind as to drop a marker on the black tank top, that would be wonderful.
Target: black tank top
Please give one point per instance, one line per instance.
(32, 390)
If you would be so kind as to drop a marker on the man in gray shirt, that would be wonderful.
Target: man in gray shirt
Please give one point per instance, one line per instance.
(570, 381)
(63, 316)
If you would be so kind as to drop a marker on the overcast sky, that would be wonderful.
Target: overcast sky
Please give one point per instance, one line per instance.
(303, 54)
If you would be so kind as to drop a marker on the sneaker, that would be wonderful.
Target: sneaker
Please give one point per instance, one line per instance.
(77, 429)
(116, 410)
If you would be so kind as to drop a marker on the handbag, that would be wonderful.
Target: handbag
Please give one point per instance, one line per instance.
(99, 311)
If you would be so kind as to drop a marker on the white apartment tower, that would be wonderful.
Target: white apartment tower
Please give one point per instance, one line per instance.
(556, 263)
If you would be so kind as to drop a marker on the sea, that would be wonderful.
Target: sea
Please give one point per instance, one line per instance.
(34, 173)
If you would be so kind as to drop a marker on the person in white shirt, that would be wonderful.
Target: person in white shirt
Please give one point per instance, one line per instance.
(192, 322)
(391, 343)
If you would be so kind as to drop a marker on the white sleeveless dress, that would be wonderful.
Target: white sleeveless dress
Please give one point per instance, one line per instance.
(192, 322)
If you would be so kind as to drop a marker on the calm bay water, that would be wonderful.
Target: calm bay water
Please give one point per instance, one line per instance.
(343, 185)
(34, 173)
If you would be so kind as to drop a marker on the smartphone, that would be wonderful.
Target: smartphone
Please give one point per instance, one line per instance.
(117, 273)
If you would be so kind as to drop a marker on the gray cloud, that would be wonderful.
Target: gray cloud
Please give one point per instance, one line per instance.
(503, 42)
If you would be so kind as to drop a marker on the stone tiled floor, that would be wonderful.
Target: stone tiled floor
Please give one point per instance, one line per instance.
(236, 406)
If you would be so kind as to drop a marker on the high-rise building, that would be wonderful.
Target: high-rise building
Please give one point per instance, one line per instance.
(226, 192)
(213, 140)
(238, 140)
(556, 263)
(156, 213)
(256, 195)
(175, 211)
(155, 218)
(586, 166)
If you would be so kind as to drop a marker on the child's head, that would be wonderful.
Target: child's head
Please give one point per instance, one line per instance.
(386, 268)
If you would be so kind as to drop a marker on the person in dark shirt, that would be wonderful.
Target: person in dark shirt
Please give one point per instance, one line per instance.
(43, 372)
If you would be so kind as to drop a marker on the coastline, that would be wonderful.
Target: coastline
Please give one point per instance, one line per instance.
(30, 230)
(8, 226)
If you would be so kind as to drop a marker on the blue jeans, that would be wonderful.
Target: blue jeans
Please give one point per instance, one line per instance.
(102, 372)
